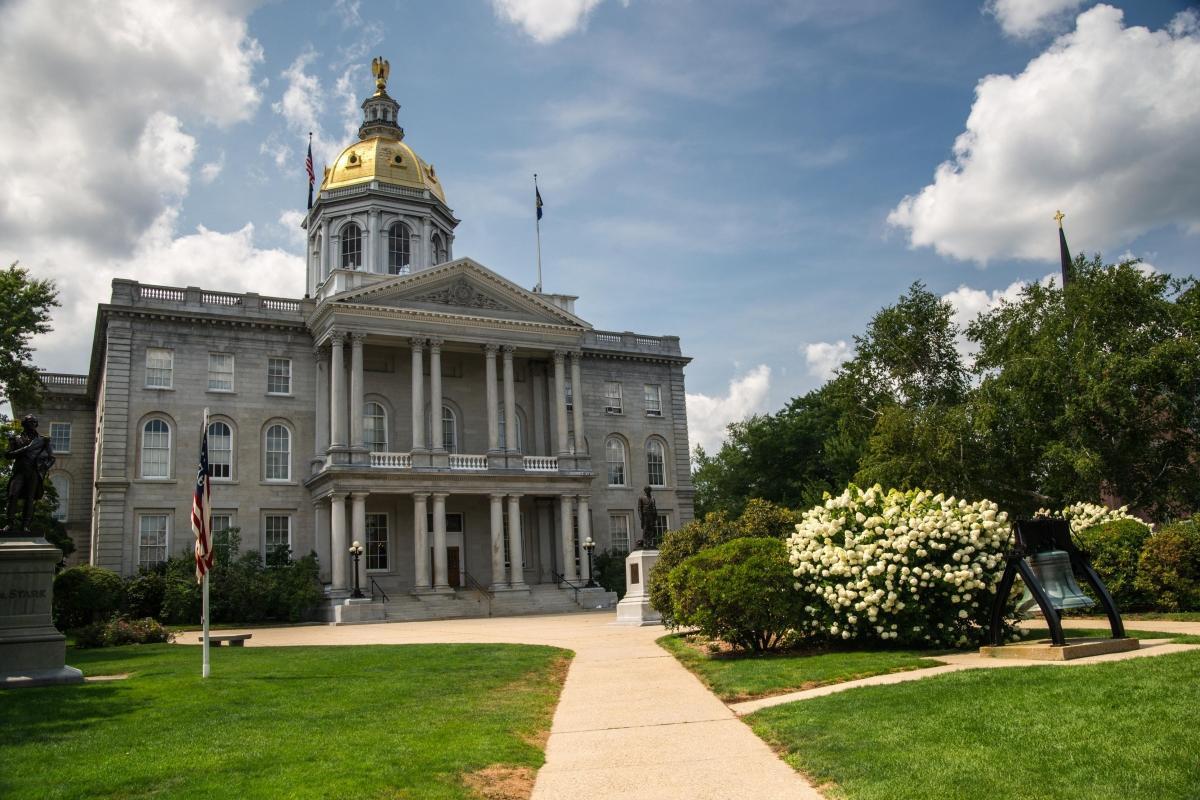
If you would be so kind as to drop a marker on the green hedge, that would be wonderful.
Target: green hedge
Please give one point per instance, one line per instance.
(1115, 549)
(741, 592)
(85, 594)
(1169, 567)
(122, 631)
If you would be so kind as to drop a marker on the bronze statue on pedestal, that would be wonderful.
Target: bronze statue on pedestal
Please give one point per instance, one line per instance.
(32, 458)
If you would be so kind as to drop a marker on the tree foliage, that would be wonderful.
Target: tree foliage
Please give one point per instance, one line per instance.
(25, 305)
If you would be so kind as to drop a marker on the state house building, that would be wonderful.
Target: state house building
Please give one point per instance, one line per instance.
(468, 432)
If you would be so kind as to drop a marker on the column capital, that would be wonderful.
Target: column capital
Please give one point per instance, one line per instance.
(495, 496)
(508, 350)
(320, 351)
(576, 356)
(560, 356)
(583, 498)
(514, 496)
(420, 495)
(356, 338)
(337, 495)
(417, 343)
(359, 495)
(435, 343)
(337, 338)
(490, 349)
(439, 495)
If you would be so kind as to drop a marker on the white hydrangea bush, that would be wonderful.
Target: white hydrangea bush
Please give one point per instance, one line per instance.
(911, 568)
(1087, 515)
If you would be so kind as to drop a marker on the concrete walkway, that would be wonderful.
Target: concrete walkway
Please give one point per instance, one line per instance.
(631, 723)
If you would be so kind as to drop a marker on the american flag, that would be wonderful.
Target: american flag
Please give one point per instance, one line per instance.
(202, 511)
(308, 166)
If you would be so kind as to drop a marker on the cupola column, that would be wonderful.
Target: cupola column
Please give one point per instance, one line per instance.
(373, 241)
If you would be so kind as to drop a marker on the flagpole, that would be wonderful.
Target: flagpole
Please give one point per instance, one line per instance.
(538, 225)
(205, 667)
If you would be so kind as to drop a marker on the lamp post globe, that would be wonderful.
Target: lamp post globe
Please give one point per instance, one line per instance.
(356, 552)
(589, 545)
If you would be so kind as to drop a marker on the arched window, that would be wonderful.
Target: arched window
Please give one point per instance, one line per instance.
(375, 427)
(656, 468)
(279, 453)
(398, 249)
(449, 430)
(520, 442)
(351, 247)
(156, 449)
(437, 247)
(220, 451)
(62, 487)
(614, 453)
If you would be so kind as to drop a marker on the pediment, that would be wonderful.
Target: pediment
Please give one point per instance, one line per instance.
(464, 288)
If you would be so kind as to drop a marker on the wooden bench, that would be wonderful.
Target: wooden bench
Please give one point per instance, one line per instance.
(233, 639)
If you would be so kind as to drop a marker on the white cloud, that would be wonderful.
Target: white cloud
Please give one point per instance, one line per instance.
(1024, 18)
(969, 303)
(1105, 125)
(545, 21)
(825, 357)
(210, 170)
(92, 177)
(709, 416)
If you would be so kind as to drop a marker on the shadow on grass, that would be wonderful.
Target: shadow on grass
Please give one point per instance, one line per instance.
(45, 713)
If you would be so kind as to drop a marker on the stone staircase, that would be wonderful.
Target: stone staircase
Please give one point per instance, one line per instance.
(539, 599)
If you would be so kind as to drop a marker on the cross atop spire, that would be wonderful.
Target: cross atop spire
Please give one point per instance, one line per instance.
(1058, 216)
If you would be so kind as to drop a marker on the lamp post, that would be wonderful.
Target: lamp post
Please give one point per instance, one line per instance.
(589, 545)
(356, 552)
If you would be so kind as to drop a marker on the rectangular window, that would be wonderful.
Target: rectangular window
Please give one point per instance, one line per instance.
(653, 400)
(612, 397)
(618, 532)
(278, 538)
(377, 541)
(524, 542)
(221, 537)
(279, 376)
(160, 363)
(60, 437)
(152, 539)
(220, 372)
(661, 526)
(570, 396)
(454, 523)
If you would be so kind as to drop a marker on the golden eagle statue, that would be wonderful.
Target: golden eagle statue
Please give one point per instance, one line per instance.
(380, 69)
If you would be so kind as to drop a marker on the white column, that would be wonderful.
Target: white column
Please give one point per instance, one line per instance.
(426, 249)
(577, 400)
(560, 404)
(493, 414)
(356, 390)
(418, 394)
(322, 535)
(324, 257)
(565, 533)
(510, 402)
(420, 542)
(337, 541)
(516, 547)
(337, 390)
(372, 262)
(435, 396)
(322, 426)
(440, 579)
(499, 579)
(585, 530)
(358, 531)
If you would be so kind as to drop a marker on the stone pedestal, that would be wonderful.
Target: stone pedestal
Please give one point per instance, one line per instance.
(32, 651)
(1045, 650)
(634, 608)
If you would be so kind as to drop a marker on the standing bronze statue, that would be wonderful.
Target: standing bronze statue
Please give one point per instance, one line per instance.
(648, 519)
(32, 458)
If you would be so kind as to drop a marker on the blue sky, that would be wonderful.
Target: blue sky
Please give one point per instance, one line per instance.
(732, 173)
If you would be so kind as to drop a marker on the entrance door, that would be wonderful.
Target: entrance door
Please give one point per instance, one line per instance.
(452, 567)
(455, 564)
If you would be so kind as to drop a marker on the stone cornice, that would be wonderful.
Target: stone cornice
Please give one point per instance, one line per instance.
(132, 312)
(645, 357)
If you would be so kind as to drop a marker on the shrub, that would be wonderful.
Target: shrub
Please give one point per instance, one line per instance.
(1114, 548)
(610, 571)
(907, 568)
(85, 594)
(1169, 567)
(122, 631)
(740, 592)
(143, 594)
(1086, 515)
(760, 518)
(242, 589)
(294, 589)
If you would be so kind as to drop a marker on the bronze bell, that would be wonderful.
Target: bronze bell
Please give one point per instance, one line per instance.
(1053, 571)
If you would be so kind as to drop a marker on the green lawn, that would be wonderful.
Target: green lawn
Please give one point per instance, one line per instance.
(410, 721)
(736, 678)
(1175, 616)
(1123, 729)
(1104, 633)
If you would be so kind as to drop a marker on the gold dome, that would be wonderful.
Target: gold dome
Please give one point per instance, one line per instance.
(382, 159)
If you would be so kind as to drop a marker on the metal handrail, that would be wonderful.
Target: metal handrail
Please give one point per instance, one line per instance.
(477, 586)
(376, 587)
(561, 579)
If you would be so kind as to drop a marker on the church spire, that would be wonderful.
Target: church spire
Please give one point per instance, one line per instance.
(1064, 254)
(381, 114)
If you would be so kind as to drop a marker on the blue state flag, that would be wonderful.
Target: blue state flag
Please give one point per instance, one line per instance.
(538, 194)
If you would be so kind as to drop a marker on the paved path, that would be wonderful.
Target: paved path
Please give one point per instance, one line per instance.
(631, 723)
